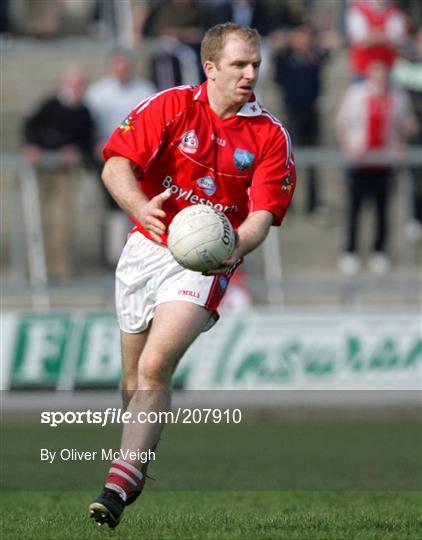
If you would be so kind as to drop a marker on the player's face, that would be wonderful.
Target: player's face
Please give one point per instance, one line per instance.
(235, 75)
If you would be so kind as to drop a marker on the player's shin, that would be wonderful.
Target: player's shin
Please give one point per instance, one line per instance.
(139, 440)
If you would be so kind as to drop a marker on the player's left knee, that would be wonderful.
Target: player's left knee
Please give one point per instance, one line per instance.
(154, 374)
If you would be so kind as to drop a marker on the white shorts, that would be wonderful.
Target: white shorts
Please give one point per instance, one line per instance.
(147, 275)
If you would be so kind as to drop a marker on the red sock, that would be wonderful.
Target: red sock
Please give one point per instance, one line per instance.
(123, 477)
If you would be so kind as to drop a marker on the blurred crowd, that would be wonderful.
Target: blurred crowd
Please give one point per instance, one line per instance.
(379, 115)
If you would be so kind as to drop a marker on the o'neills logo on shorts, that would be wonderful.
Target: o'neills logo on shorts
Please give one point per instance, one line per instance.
(189, 196)
(189, 142)
(187, 292)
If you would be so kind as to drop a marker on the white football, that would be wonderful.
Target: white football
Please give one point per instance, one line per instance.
(200, 238)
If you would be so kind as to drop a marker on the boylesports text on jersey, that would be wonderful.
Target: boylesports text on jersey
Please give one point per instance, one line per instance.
(190, 196)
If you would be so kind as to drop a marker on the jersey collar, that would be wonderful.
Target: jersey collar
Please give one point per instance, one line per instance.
(251, 108)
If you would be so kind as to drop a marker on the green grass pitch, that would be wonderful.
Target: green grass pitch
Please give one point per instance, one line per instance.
(219, 515)
(268, 478)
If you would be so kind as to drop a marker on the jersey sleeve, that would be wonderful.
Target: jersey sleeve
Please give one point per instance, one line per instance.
(274, 179)
(141, 133)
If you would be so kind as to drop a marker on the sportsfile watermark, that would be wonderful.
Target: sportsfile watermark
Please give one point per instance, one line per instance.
(311, 441)
(114, 415)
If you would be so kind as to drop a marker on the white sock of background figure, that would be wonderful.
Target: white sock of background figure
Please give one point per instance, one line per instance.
(117, 229)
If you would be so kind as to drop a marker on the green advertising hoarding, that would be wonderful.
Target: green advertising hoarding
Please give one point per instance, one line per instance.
(256, 350)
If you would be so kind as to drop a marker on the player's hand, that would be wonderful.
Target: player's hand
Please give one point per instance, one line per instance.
(227, 264)
(151, 214)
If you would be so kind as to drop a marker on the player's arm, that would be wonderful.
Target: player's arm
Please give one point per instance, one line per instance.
(270, 194)
(133, 145)
(120, 180)
(250, 234)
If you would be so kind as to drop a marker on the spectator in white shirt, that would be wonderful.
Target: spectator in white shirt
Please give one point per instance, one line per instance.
(373, 116)
(109, 99)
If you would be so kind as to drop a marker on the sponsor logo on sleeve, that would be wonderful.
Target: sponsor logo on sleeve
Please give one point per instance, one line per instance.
(207, 184)
(189, 142)
(127, 125)
(243, 159)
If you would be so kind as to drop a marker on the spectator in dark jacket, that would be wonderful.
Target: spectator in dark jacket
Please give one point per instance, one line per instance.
(63, 126)
(62, 122)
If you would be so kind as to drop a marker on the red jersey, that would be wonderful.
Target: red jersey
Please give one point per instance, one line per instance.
(379, 20)
(237, 165)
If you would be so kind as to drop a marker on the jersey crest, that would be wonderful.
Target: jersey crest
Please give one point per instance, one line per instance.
(189, 142)
(243, 159)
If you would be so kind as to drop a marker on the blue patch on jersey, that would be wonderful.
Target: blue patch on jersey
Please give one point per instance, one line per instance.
(222, 283)
(243, 159)
(207, 184)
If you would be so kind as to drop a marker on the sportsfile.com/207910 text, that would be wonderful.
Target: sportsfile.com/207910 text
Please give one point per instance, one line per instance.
(113, 415)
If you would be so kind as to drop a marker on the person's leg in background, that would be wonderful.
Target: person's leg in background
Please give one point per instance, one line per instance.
(302, 123)
(311, 138)
(380, 183)
(55, 189)
(413, 228)
(349, 263)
